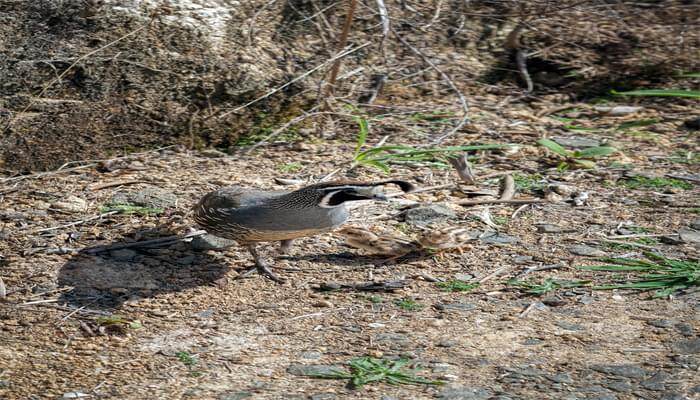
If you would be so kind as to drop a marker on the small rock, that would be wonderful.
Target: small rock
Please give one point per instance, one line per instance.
(692, 123)
(661, 323)
(464, 393)
(464, 277)
(618, 110)
(561, 377)
(311, 355)
(323, 303)
(498, 238)
(689, 235)
(568, 326)
(428, 214)
(522, 259)
(657, 381)
(210, 242)
(554, 301)
(456, 307)
(313, 370)
(695, 224)
(187, 260)
(212, 153)
(551, 228)
(152, 197)
(691, 346)
(672, 396)
(447, 343)
(622, 386)
(323, 396)
(685, 329)
(75, 395)
(235, 395)
(577, 142)
(586, 299)
(626, 370)
(587, 251)
(391, 337)
(71, 204)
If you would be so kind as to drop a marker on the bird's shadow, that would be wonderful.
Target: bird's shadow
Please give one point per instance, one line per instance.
(104, 280)
(350, 259)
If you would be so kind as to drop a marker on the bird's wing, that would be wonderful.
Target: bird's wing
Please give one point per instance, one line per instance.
(234, 197)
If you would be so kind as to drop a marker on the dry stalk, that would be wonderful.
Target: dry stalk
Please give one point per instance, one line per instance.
(507, 187)
(450, 82)
(342, 42)
(298, 78)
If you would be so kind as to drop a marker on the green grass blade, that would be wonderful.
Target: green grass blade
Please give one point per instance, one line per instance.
(594, 152)
(661, 92)
(554, 147)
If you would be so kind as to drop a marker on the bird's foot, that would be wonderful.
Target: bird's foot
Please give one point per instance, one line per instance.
(286, 246)
(263, 270)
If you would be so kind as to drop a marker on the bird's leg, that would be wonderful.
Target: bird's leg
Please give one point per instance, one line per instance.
(285, 246)
(261, 266)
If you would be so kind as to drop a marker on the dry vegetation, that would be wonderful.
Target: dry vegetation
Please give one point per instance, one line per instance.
(515, 312)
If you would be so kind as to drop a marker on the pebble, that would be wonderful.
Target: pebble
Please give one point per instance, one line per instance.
(153, 197)
(568, 326)
(210, 242)
(312, 370)
(661, 323)
(323, 303)
(691, 346)
(579, 142)
(689, 235)
(587, 251)
(685, 329)
(626, 370)
(464, 393)
(212, 153)
(498, 238)
(71, 204)
(236, 396)
(551, 228)
(456, 307)
(426, 215)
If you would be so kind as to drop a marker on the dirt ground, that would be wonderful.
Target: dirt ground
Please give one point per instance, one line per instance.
(174, 322)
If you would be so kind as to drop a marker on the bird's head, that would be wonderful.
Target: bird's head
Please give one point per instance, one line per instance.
(334, 194)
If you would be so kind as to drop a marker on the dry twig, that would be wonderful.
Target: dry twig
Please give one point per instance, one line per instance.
(450, 82)
(144, 243)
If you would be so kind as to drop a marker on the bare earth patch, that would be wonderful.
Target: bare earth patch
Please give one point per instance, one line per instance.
(174, 322)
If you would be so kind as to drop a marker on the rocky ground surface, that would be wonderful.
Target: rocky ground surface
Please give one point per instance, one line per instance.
(174, 320)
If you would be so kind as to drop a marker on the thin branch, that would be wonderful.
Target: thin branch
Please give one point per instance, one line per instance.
(298, 78)
(500, 201)
(251, 29)
(342, 42)
(462, 100)
(82, 221)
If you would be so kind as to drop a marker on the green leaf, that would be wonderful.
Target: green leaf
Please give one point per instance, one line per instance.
(362, 135)
(594, 152)
(690, 75)
(661, 92)
(585, 164)
(554, 147)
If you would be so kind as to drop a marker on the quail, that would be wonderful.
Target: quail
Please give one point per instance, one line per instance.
(249, 216)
